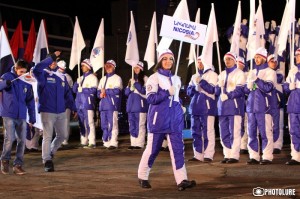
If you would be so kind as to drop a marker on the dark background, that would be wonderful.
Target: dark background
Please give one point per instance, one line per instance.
(117, 21)
(60, 19)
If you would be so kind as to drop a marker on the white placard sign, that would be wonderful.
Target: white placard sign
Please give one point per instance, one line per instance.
(183, 30)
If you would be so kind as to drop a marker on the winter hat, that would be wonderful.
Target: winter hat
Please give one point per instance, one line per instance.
(61, 64)
(272, 56)
(230, 55)
(261, 52)
(140, 65)
(87, 63)
(297, 51)
(162, 53)
(111, 62)
(240, 60)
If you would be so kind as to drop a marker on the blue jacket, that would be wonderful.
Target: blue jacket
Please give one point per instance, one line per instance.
(162, 118)
(87, 98)
(293, 103)
(54, 92)
(136, 102)
(17, 98)
(259, 98)
(203, 102)
(277, 100)
(112, 83)
(234, 79)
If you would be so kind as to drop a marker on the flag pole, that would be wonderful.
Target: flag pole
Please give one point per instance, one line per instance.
(195, 58)
(178, 58)
(78, 66)
(132, 72)
(293, 44)
(219, 60)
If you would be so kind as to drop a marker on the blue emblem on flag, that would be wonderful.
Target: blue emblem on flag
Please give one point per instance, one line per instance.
(96, 51)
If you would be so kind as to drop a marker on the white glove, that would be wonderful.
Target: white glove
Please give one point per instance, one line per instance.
(132, 87)
(251, 76)
(221, 83)
(183, 109)
(172, 90)
(79, 90)
(292, 86)
(224, 97)
(250, 85)
(198, 88)
(198, 79)
(294, 69)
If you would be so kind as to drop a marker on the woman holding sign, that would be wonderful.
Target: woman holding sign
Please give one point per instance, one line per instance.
(165, 118)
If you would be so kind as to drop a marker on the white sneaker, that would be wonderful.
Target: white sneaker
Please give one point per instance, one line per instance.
(65, 143)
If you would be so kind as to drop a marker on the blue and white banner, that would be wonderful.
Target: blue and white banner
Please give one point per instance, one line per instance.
(183, 30)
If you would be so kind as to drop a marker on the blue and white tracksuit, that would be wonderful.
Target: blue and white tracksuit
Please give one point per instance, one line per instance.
(137, 108)
(86, 94)
(277, 105)
(164, 119)
(54, 93)
(293, 109)
(258, 103)
(203, 109)
(109, 108)
(16, 100)
(231, 111)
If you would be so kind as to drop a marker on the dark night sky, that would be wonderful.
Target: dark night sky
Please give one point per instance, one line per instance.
(93, 12)
(114, 13)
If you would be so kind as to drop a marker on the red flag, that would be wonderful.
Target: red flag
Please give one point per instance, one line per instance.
(17, 42)
(30, 44)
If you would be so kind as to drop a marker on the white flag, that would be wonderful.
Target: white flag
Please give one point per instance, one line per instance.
(259, 26)
(132, 51)
(152, 43)
(78, 45)
(41, 45)
(251, 44)
(192, 46)
(97, 54)
(6, 57)
(181, 12)
(285, 26)
(211, 37)
(31, 80)
(235, 39)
